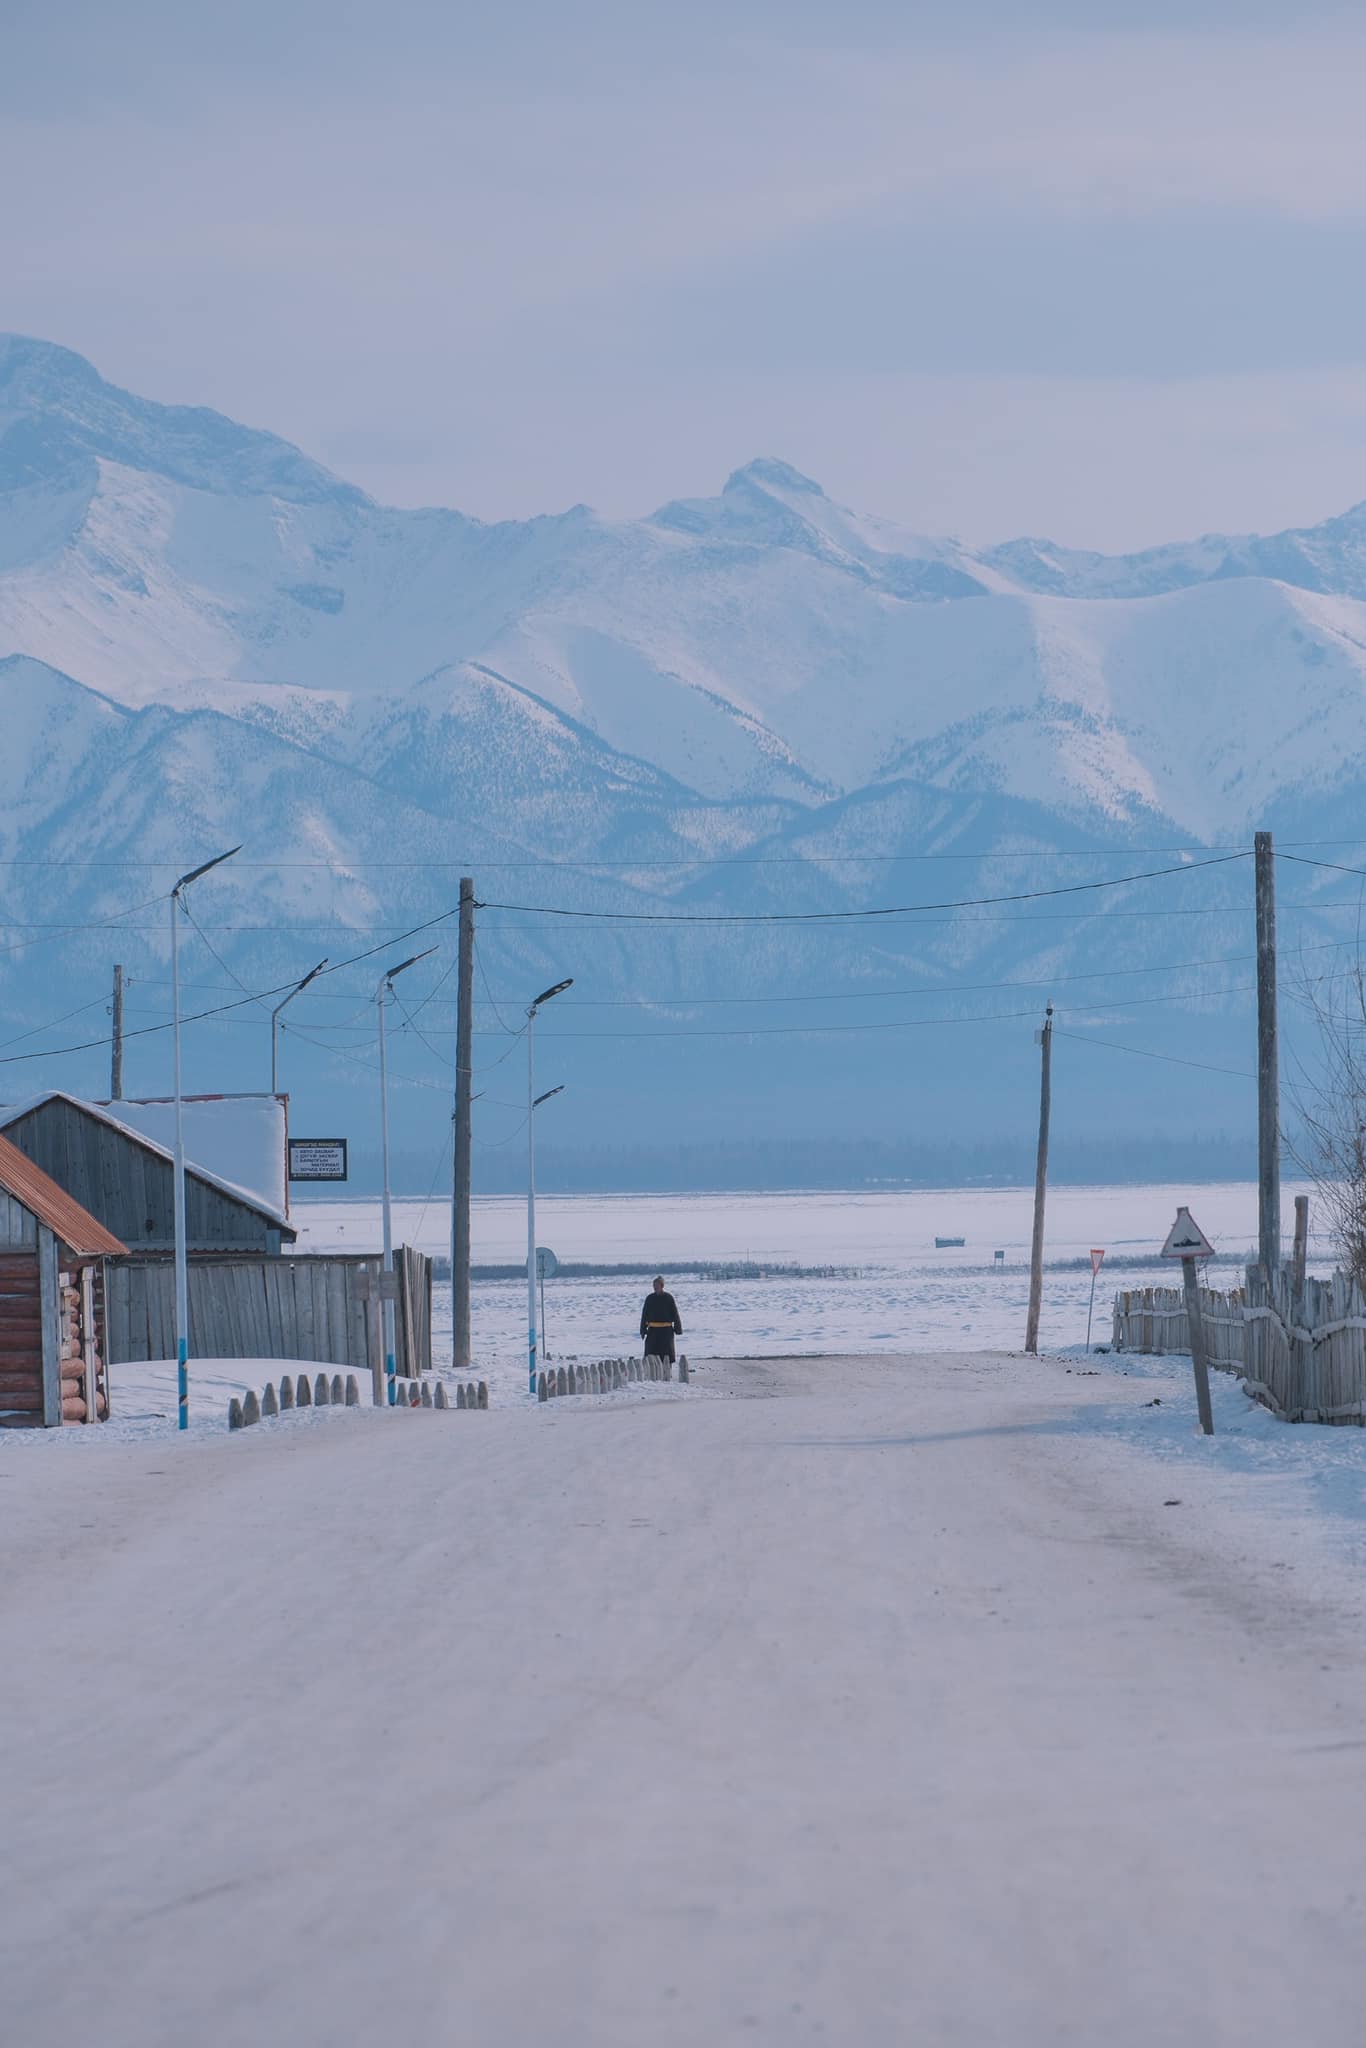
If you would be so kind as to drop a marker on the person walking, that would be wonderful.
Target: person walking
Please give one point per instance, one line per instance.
(660, 1322)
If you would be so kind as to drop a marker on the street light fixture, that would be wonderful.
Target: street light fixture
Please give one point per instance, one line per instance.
(532, 1099)
(297, 990)
(540, 1269)
(182, 1274)
(387, 1307)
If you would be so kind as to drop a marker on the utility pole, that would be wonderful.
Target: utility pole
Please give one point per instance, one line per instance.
(116, 1053)
(460, 1192)
(1301, 1253)
(1268, 1065)
(1040, 1185)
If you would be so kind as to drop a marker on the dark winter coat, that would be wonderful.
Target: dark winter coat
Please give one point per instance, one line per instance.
(659, 1321)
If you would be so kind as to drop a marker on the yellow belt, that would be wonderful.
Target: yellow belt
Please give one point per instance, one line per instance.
(659, 1326)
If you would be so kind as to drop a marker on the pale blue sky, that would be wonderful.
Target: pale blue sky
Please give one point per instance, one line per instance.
(1094, 271)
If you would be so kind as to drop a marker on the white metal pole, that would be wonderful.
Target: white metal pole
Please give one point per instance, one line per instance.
(386, 1306)
(531, 1197)
(182, 1278)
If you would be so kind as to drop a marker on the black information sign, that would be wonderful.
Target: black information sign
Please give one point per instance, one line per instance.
(317, 1159)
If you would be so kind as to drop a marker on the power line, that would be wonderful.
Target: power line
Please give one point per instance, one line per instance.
(1172, 1060)
(1333, 866)
(66, 931)
(847, 916)
(574, 863)
(221, 1009)
(1030, 918)
(692, 1002)
(895, 1024)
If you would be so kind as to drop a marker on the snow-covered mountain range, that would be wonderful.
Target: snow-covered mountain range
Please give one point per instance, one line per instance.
(206, 637)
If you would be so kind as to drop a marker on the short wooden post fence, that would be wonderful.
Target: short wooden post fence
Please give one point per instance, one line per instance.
(606, 1376)
(323, 1392)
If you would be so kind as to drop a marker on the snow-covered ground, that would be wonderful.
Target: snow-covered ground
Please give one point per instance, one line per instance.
(890, 1290)
(954, 1698)
(893, 1290)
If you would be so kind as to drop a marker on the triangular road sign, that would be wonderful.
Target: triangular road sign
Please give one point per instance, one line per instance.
(1186, 1240)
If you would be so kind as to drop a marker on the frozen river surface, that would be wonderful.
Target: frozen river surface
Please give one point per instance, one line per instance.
(892, 1289)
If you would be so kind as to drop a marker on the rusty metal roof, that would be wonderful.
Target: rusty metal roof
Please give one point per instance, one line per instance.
(37, 1192)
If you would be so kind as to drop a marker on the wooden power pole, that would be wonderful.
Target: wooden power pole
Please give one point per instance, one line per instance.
(464, 1067)
(1040, 1185)
(1268, 1065)
(116, 1044)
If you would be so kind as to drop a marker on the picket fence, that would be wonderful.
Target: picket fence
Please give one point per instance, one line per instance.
(1302, 1355)
(312, 1307)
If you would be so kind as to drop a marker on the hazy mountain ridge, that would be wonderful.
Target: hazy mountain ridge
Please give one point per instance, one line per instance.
(205, 637)
(765, 643)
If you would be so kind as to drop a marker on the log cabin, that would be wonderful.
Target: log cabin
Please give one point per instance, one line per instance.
(53, 1355)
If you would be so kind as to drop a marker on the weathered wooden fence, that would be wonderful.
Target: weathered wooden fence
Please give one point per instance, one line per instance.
(1303, 1356)
(1306, 1356)
(269, 1308)
(1154, 1319)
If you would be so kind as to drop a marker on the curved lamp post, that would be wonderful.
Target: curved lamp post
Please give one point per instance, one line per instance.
(382, 994)
(182, 1275)
(531, 1099)
(297, 990)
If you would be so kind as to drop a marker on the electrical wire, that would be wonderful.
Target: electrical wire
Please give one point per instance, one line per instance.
(463, 866)
(66, 931)
(847, 916)
(221, 1009)
(479, 963)
(1109, 1045)
(1333, 866)
(53, 1022)
(230, 972)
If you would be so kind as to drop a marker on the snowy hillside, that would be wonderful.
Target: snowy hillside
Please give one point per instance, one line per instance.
(205, 637)
(763, 643)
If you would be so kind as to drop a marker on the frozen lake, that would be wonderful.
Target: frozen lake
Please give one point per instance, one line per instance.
(894, 1290)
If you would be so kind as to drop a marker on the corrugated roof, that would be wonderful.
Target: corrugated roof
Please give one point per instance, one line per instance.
(12, 1113)
(37, 1192)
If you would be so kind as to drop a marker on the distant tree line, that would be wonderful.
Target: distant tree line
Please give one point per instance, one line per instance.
(742, 1164)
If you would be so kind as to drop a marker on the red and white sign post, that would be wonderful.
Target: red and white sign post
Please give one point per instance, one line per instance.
(1097, 1260)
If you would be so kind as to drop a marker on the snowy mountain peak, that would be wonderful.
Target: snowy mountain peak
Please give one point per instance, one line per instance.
(59, 419)
(768, 472)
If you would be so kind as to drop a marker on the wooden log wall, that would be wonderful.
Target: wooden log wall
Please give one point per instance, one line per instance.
(84, 1378)
(267, 1308)
(21, 1340)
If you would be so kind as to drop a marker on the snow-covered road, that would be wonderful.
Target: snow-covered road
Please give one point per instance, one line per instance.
(870, 1702)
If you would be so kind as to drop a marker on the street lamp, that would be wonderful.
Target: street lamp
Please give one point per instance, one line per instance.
(540, 1269)
(531, 1100)
(182, 1275)
(387, 1307)
(297, 990)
